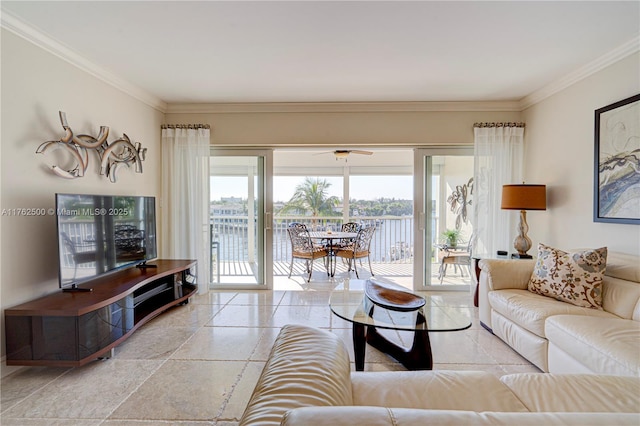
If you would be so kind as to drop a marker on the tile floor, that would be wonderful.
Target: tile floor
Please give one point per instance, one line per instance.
(197, 364)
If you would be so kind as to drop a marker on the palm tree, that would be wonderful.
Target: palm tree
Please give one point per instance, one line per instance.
(311, 197)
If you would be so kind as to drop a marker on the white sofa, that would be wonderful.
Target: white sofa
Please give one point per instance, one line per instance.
(307, 380)
(559, 337)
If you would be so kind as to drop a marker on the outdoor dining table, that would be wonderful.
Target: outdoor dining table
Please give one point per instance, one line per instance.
(331, 237)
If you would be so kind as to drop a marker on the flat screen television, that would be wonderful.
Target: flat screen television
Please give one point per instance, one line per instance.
(100, 234)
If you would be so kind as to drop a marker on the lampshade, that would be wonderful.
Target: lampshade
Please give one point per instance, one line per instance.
(524, 197)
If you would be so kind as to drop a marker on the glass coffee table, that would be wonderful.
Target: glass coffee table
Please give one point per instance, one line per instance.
(348, 301)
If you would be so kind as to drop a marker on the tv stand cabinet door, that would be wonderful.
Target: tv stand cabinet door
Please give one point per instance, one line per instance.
(32, 339)
(67, 340)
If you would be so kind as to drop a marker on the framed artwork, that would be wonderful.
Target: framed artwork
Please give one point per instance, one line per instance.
(617, 162)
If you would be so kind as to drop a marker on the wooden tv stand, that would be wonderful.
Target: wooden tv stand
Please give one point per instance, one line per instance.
(70, 329)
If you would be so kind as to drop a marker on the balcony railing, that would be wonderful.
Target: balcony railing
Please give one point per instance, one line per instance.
(232, 241)
(392, 241)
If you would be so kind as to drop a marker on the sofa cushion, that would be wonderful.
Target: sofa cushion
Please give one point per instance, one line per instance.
(586, 393)
(621, 285)
(603, 345)
(442, 390)
(307, 367)
(573, 277)
(623, 266)
(529, 345)
(620, 297)
(530, 310)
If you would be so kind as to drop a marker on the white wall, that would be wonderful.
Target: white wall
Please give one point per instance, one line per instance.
(342, 129)
(559, 152)
(35, 86)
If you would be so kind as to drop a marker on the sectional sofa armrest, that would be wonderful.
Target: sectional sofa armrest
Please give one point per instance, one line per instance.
(307, 367)
(434, 390)
(584, 393)
(350, 416)
(498, 274)
(384, 416)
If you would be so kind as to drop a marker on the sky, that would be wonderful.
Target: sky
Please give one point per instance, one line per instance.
(361, 187)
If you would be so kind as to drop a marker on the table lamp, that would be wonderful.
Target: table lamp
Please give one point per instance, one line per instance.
(523, 197)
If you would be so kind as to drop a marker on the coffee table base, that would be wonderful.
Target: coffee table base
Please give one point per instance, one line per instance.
(418, 357)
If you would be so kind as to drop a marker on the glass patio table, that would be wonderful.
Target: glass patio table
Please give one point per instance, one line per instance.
(349, 302)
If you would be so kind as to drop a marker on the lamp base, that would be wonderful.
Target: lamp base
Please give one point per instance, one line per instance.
(521, 256)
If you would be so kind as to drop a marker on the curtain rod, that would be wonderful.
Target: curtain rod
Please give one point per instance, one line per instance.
(498, 124)
(185, 126)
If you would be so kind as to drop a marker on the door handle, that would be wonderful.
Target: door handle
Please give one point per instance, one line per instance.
(267, 220)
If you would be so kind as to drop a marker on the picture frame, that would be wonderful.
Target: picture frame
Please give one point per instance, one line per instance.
(616, 162)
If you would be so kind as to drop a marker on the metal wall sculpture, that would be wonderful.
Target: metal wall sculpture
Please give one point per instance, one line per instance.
(112, 155)
(460, 200)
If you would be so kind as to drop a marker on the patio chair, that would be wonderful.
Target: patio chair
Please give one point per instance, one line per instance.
(303, 248)
(456, 257)
(358, 249)
(347, 227)
(129, 242)
(80, 253)
(350, 227)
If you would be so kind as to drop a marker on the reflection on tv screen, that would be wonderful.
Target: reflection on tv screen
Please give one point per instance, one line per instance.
(98, 234)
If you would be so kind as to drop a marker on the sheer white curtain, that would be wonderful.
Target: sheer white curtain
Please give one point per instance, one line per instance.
(185, 197)
(498, 149)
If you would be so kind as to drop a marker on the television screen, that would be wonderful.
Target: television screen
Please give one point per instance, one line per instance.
(98, 234)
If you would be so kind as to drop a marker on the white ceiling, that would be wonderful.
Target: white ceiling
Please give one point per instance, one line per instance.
(321, 51)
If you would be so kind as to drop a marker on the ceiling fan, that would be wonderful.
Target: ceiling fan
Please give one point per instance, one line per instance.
(344, 153)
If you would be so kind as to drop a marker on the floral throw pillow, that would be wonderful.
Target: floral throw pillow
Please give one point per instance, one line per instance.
(573, 277)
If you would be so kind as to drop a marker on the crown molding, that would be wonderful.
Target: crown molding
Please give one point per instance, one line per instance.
(627, 49)
(338, 107)
(18, 27)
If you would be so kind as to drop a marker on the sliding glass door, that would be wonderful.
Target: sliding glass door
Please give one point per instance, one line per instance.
(370, 190)
(443, 195)
(240, 225)
(241, 206)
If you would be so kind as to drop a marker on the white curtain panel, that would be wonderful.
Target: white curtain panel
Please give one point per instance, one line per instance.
(498, 161)
(185, 199)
